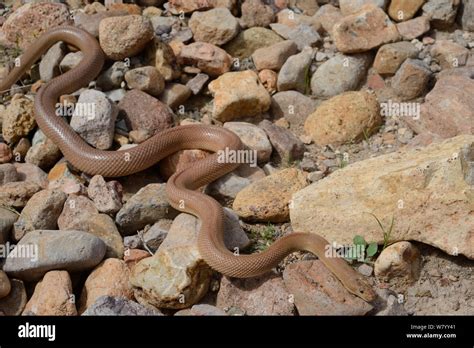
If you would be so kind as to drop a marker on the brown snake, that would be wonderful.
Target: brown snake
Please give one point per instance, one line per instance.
(182, 185)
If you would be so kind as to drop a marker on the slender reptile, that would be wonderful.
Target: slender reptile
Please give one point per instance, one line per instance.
(181, 187)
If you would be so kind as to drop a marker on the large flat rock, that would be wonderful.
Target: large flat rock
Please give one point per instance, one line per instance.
(423, 189)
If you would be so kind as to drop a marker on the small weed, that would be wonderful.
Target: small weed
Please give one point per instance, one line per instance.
(262, 237)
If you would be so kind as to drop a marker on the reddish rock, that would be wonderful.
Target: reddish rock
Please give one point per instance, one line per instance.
(256, 14)
(411, 80)
(364, 30)
(208, 58)
(452, 95)
(449, 54)
(142, 111)
(52, 296)
(264, 295)
(109, 278)
(316, 291)
(41, 16)
(188, 6)
(414, 28)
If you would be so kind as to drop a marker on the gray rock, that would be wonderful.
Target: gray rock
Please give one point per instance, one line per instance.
(389, 303)
(442, 13)
(112, 77)
(30, 172)
(201, 310)
(7, 219)
(293, 106)
(94, 119)
(44, 251)
(467, 15)
(234, 236)
(40, 213)
(304, 35)
(116, 95)
(197, 83)
(70, 60)
(293, 74)
(154, 237)
(227, 187)
(253, 138)
(80, 213)
(175, 94)
(339, 74)
(49, 65)
(147, 206)
(90, 22)
(288, 146)
(467, 163)
(105, 195)
(119, 306)
(44, 153)
(8, 173)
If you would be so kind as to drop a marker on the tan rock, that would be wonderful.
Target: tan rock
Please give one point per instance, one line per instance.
(273, 57)
(269, 80)
(248, 41)
(52, 296)
(163, 58)
(403, 10)
(412, 186)
(124, 36)
(344, 118)
(146, 79)
(390, 56)
(238, 94)
(364, 30)
(401, 260)
(18, 119)
(109, 278)
(15, 301)
(17, 194)
(349, 7)
(216, 26)
(176, 276)
(267, 199)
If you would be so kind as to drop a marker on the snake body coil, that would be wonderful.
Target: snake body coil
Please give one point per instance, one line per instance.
(182, 185)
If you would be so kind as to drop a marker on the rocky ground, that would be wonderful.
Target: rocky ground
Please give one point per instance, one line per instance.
(361, 114)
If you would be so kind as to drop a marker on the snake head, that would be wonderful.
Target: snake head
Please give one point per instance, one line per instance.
(361, 288)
